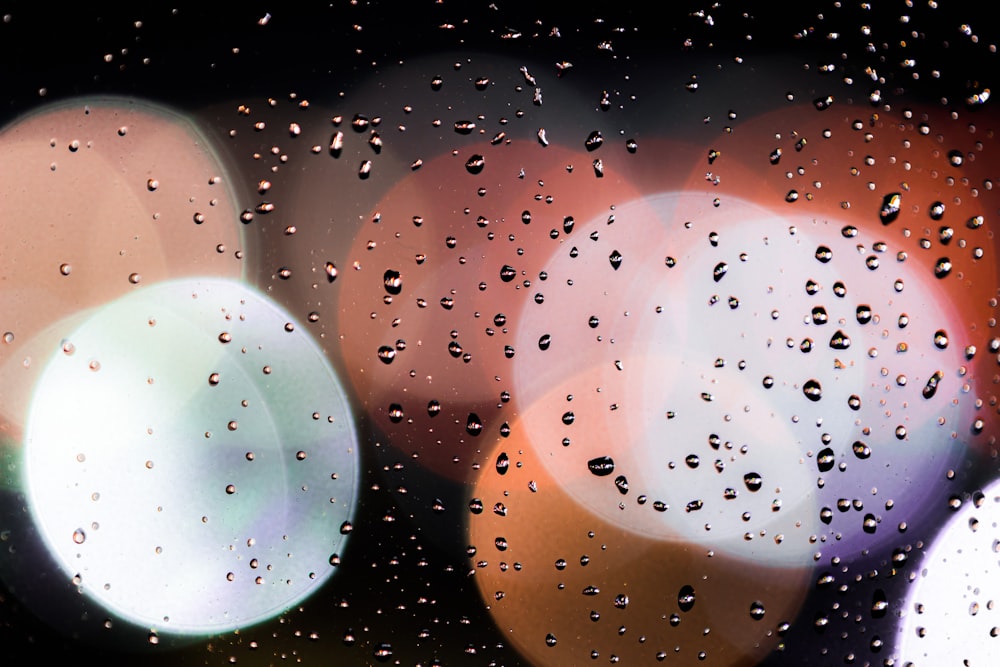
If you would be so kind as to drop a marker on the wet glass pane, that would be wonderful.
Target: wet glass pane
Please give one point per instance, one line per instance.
(499, 334)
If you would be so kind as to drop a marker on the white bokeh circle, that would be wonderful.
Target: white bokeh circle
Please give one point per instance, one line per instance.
(190, 458)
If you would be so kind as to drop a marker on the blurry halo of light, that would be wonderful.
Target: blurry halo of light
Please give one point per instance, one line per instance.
(105, 195)
(950, 615)
(544, 567)
(684, 354)
(442, 322)
(843, 162)
(193, 459)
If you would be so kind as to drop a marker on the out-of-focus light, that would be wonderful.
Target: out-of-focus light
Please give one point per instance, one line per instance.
(190, 459)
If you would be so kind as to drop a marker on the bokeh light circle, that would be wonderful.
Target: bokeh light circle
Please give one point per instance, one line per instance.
(951, 612)
(190, 458)
(756, 376)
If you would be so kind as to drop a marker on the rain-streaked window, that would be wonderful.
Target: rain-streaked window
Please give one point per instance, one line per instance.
(450, 333)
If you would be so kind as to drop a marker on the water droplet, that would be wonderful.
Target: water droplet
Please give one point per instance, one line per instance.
(392, 281)
(824, 254)
(753, 481)
(65, 269)
(685, 598)
(396, 413)
(386, 354)
(503, 463)
(594, 141)
(473, 424)
(544, 342)
(359, 123)
(631, 146)
(825, 459)
(880, 603)
(812, 390)
(840, 340)
(861, 450)
(936, 210)
(365, 170)
(79, 537)
(507, 273)
(932, 384)
(601, 466)
(346, 527)
(621, 601)
(891, 204)
(942, 268)
(336, 144)
(331, 272)
(869, 524)
(475, 164)
(719, 271)
(757, 610)
(863, 313)
(616, 259)
(621, 483)
(550, 639)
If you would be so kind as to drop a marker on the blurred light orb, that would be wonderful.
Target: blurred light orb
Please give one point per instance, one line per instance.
(950, 616)
(189, 458)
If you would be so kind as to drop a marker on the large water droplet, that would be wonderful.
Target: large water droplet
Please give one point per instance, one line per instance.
(942, 267)
(601, 466)
(685, 598)
(616, 259)
(386, 354)
(840, 340)
(890, 207)
(473, 425)
(812, 390)
(503, 463)
(594, 141)
(393, 281)
(932, 384)
(825, 459)
(719, 271)
(475, 164)
(757, 610)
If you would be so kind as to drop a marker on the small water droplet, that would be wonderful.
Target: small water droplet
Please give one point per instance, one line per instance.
(79, 537)
(757, 610)
(753, 481)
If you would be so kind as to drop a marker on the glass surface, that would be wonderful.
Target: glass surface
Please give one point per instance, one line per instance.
(483, 333)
